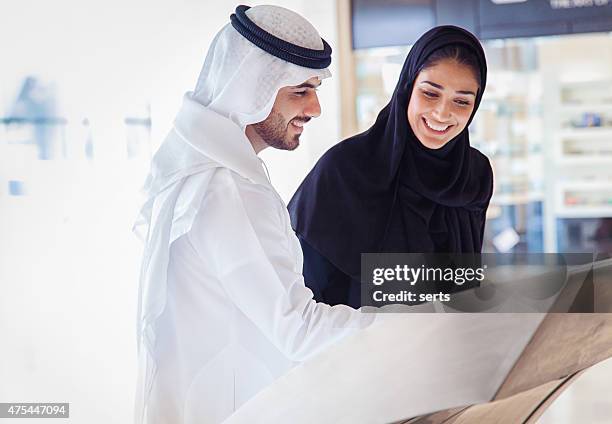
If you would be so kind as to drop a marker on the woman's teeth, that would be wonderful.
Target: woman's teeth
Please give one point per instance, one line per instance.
(436, 127)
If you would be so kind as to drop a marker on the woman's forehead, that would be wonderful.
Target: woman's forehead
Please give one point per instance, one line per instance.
(449, 73)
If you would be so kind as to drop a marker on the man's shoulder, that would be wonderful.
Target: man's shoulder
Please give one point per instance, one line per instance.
(226, 187)
(231, 199)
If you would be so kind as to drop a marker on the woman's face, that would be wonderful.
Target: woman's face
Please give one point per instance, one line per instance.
(442, 102)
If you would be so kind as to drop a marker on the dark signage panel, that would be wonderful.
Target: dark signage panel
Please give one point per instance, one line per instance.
(378, 23)
(390, 22)
(542, 17)
(518, 30)
(539, 11)
(600, 24)
(457, 12)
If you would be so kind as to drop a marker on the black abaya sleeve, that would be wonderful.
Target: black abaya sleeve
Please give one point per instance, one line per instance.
(328, 283)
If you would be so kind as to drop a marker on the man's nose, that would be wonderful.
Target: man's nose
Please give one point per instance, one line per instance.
(313, 108)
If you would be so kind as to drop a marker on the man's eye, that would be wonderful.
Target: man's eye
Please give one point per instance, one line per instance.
(300, 93)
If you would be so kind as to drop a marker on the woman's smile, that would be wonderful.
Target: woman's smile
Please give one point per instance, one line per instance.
(439, 129)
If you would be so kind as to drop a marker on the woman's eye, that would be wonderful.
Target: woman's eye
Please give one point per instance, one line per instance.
(430, 94)
(462, 102)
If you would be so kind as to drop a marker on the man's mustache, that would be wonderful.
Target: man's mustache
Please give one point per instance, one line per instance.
(303, 119)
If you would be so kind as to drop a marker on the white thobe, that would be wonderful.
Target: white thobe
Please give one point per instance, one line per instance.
(237, 313)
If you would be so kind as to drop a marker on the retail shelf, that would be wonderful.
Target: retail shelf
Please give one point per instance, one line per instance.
(586, 107)
(586, 132)
(584, 212)
(604, 184)
(585, 160)
(516, 199)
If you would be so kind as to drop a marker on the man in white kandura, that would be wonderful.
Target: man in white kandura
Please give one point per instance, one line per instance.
(223, 308)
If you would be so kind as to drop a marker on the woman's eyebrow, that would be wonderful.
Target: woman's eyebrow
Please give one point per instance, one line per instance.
(439, 87)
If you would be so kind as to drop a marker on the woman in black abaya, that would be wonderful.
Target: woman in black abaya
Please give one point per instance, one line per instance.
(411, 183)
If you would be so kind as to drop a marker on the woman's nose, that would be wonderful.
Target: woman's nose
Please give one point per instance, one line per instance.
(442, 111)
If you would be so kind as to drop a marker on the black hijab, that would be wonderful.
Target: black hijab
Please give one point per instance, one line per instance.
(383, 191)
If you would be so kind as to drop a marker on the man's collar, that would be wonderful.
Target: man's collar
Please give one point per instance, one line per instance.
(218, 138)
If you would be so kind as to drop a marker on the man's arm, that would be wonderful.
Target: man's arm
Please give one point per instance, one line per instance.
(242, 234)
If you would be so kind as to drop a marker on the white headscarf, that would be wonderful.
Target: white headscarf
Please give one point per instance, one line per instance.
(239, 81)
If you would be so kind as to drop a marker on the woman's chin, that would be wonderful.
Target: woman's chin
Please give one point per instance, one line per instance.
(433, 144)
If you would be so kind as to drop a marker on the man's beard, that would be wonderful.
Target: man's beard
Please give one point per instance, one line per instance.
(274, 131)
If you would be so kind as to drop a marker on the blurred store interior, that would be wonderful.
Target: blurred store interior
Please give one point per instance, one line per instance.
(89, 90)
